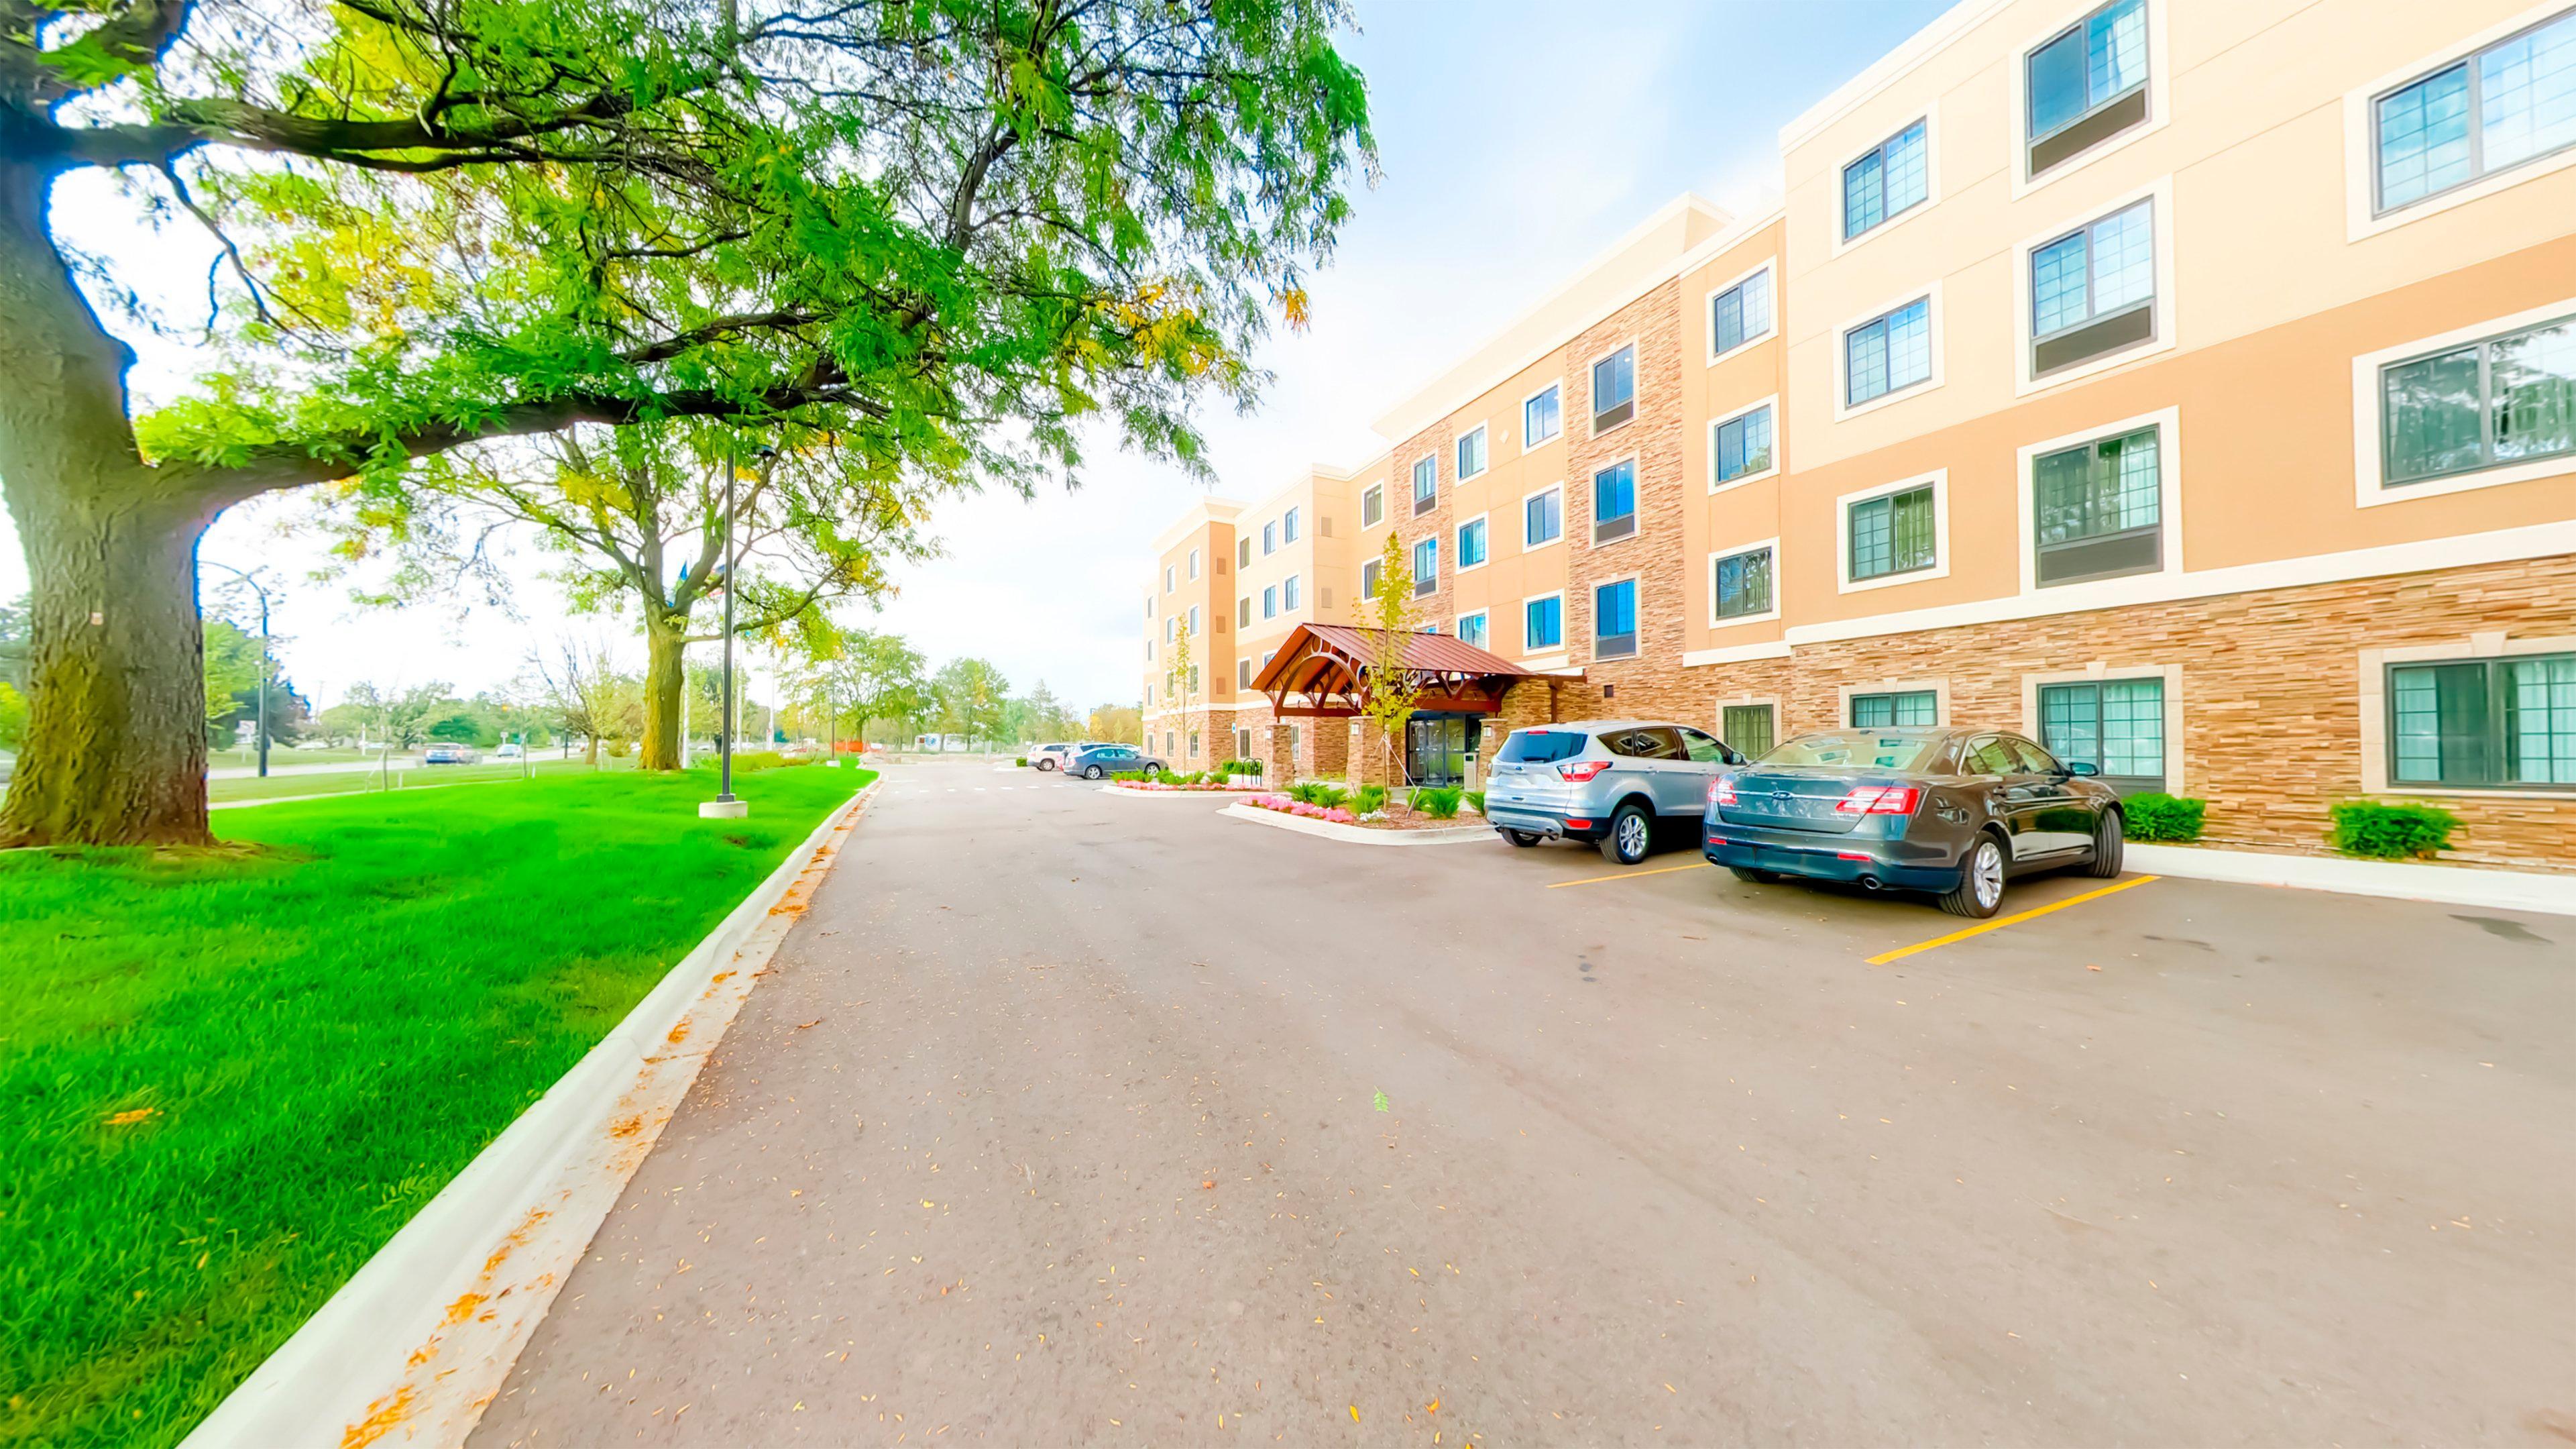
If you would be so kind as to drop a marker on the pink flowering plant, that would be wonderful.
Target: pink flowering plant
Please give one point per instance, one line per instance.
(1285, 806)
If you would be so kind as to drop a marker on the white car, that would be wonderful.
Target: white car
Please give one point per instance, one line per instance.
(508, 752)
(1051, 757)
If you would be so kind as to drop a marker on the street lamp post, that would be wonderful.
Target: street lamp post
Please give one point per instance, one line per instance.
(262, 730)
(725, 806)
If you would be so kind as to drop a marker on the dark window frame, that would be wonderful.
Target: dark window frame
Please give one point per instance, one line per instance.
(2485, 346)
(1770, 584)
(2498, 737)
(2033, 139)
(2473, 99)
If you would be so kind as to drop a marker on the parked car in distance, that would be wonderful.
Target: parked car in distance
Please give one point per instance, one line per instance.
(1950, 811)
(1612, 782)
(1052, 757)
(508, 752)
(1093, 762)
(447, 755)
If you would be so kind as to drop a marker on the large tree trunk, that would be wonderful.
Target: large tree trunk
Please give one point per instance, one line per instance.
(664, 678)
(116, 740)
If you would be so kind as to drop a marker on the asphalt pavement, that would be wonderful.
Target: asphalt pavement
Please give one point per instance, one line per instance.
(1065, 1118)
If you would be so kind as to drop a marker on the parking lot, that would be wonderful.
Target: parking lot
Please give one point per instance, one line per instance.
(1067, 1117)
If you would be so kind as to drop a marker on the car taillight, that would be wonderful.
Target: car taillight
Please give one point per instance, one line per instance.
(1721, 791)
(1582, 770)
(1878, 800)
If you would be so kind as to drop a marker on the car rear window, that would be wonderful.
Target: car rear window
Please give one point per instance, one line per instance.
(1857, 749)
(1541, 747)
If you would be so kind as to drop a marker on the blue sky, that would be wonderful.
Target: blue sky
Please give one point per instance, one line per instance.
(1517, 140)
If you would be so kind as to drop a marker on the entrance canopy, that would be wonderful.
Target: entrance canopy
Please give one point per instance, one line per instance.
(1327, 666)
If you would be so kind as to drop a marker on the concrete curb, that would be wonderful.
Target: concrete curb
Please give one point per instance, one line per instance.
(1360, 834)
(2505, 890)
(417, 1342)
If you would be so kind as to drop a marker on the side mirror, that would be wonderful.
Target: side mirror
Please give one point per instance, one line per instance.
(2079, 767)
(1733, 756)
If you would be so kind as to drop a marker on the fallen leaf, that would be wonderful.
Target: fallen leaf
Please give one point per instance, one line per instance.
(128, 1119)
(1211, 1182)
(1355, 1413)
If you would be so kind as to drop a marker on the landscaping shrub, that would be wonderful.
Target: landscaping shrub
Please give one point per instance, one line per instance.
(1370, 797)
(1022, 762)
(1307, 792)
(1129, 775)
(1476, 801)
(1332, 797)
(2153, 816)
(617, 749)
(2405, 830)
(1440, 802)
(1243, 767)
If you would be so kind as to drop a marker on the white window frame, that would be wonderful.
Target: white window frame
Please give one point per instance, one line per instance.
(1288, 595)
(1721, 420)
(2025, 383)
(1557, 648)
(2488, 647)
(1940, 689)
(1458, 546)
(2369, 487)
(1594, 588)
(1413, 497)
(1171, 578)
(1636, 389)
(2159, 106)
(1378, 492)
(1780, 731)
(1717, 556)
(2168, 425)
(2101, 672)
(1194, 564)
(1557, 488)
(1288, 528)
(1939, 478)
(1192, 627)
(1269, 539)
(1413, 560)
(1931, 119)
(1533, 396)
(1592, 489)
(1270, 601)
(2362, 217)
(1457, 627)
(1844, 409)
(1708, 309)
(1478, 431)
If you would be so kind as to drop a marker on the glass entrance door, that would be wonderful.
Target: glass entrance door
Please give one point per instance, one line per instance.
(1436, 747)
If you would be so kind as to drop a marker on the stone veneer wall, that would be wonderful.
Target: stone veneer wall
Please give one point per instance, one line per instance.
(2271, 690)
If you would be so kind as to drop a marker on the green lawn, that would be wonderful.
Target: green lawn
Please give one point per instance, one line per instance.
(230, 1076)
(355, 782)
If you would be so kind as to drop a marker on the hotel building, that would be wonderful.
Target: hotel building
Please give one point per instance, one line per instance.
(2189, 384)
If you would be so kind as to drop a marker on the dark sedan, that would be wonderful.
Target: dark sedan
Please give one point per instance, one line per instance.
(1091, 762)
(1949, 811)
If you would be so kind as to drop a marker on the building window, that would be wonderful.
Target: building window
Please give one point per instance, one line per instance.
(1471, 543)
(1740, 314)
(1243, 554)
(1614, 620)
(1270, 602)
(1288, 594)
(1372, 506)
(1614, 501)
(1542, 418)
(1243, 612)
(1368, 579)
(1892, 711)
(1542, 624)
(1426, 566)
(1894, 533)
(1149, 689)
(2489, 723)
(1170, 622)
(2099, 509)
(1543, 518)
(1471, 629)
(1194, 619)
(1471, 453)
(1194, 744)
(2117, 726)
(2093, 290)
(1894, 178)
(2510, 103)
(1741, 445)
(1888, 353)
(1748, 729)
(2507, 399)
(1743, 584)
(1269, 539)
(2087, 84)
(1614, 389)
(1168, 581)
(1288, 527)
(1243, 674)
(1426, 484)
(1194, 563)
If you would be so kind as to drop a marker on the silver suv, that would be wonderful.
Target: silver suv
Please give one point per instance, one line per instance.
(1610, 781)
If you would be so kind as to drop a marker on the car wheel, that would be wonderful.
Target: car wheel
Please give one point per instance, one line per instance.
(1980, 891)
(1522, 838)
(1630, 835)
(1091, 772)
(2109, 845)
(1757, 877)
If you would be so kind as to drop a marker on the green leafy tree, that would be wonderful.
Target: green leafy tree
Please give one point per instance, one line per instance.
(943, 234)
(971, 695)
(874, 677)
(13, 716)
(401, 718)
(1180, 669)
(1116, 724)
(230, 667)
(1392, 691)
(580, 692)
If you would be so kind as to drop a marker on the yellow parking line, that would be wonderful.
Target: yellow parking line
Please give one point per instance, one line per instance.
(1627, 875)
(2002, 921)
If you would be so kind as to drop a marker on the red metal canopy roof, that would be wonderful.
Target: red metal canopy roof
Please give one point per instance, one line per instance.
(1329, 664)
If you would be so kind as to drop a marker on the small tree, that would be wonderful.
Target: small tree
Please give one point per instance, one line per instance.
(580, 691)
(1391, 691)
(1181, 672)
(971, 694)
